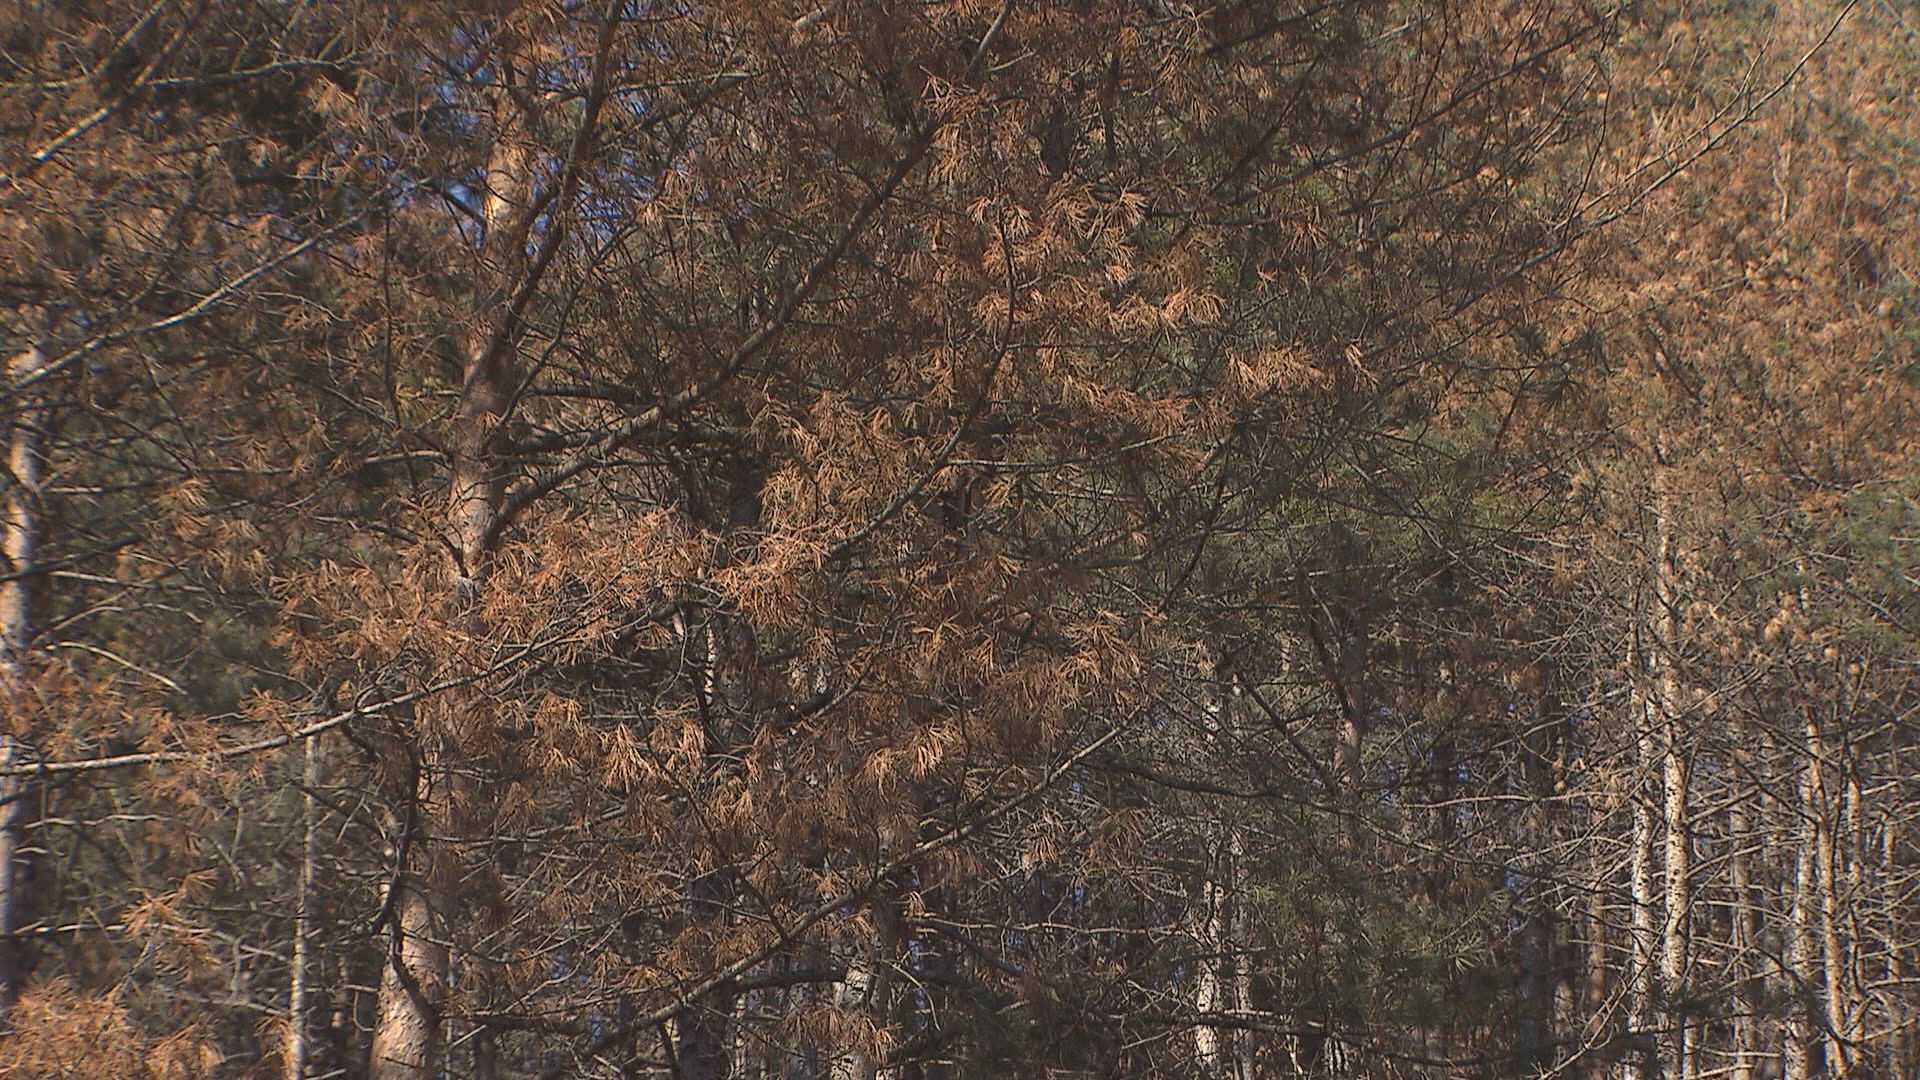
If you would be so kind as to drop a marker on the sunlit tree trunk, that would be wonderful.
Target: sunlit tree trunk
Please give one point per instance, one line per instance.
(413, 981)
(1209, 992)
(1851, 906)
(408, 1036)
(299, 971)
(1640, 972)
(1676, 937)
(23, 485)
(1819, 810)
(1645, 950)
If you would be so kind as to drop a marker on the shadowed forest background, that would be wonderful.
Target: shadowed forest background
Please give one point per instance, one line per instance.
(951, 539)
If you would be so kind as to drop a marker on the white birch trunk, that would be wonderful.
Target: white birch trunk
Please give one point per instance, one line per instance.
(1646, 954)
(298, 985)
(1676, 937)
(1222, 984)
(1209, 987)
(1640, 969)
(23, 483)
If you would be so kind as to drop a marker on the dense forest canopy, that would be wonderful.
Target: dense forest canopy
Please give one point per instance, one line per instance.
(960, 539)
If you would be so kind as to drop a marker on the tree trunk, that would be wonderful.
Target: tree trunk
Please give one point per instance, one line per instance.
(1350, 763)
(1222, 982)
(1646, 953)
(724, 683)
(408, 1040)
(1741, 970)
(25, 479)
(1239, 940)
(1798, 1036)
(1676, 937)
(867, 992)
(1640, 988)
(300, 969)
(1536, 1005)
(700, 1033)
(1593, 996)
(413, 981)
(1208, 990)
(1900, 1002)
(1819, 810)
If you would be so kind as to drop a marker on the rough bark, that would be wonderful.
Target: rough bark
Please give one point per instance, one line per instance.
(1593, 995)
(1352, 668)
(1676, 937)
